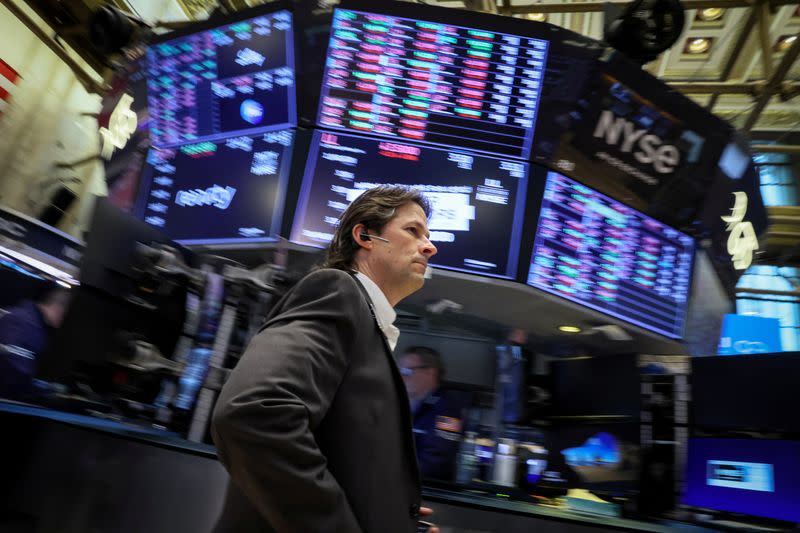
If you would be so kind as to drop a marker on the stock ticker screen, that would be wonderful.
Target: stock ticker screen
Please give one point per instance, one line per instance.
(234, 79)
(599, 253)
(432, 83)
(477, 200)
(230, 190)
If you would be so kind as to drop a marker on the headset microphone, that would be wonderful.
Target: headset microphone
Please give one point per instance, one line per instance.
(367, 236)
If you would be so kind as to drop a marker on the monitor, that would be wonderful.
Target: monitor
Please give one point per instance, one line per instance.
(597, 386)
(602, 458)
(751, 477)
(602, 254)
(225, 191)
(233, 79)
(432, 82)
(747, 334)
(755, 392)
(478, 200)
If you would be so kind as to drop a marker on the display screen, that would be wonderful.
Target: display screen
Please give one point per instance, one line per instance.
(602, 254)
(597, 386)
(216, 192)
(756, 392)
(746, 334)
(433, 83)
(600, 457)
(477, 200)
(224, 81)
(604, 119)
(753, 477)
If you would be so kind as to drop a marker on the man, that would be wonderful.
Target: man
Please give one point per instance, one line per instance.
(25, 332)
(437, 413)
(313, 424)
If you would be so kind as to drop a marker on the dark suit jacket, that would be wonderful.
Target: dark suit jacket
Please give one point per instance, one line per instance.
(438, 423)
(23, 336)
(314, 423)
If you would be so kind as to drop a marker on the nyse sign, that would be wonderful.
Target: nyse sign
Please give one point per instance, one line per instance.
(742, 241)
(646, 147)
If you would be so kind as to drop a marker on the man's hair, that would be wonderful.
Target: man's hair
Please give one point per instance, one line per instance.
(374, 208)
(428, 357)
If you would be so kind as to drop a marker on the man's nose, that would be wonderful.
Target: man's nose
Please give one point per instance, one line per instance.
(428, 248)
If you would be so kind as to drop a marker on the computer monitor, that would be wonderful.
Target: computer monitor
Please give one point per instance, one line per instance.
(745, 476)
(746, 392)
(214, 192)
(602, 458)
(602, 254)
(746, 334)
(233, 79)
(478, 200)
(597, 386)
(415, 73)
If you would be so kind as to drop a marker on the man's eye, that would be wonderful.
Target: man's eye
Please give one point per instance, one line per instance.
(413, 230)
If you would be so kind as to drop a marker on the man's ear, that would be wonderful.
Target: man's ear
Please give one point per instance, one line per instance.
(358, 232)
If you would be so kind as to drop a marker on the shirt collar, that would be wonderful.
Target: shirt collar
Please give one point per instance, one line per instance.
(384, 313)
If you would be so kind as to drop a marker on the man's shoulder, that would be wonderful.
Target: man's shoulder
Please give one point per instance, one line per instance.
(325, 286)
(328, 280)
(328, 275)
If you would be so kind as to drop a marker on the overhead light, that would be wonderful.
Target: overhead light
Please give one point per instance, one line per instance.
(710, 14)
(569, 329)
(697, 45)
(784, 42)
(537, 17)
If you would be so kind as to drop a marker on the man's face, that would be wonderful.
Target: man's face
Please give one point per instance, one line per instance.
(399, 265)
(418, 378)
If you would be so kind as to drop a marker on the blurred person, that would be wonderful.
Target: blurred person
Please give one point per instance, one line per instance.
(437, 413)
(25, 332)
(314, 424)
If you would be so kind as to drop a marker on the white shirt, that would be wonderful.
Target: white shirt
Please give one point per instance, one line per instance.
(384, 313)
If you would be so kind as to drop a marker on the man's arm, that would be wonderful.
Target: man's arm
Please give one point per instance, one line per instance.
(277, 395)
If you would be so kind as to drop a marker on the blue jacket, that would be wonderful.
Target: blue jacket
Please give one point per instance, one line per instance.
(438, 425)
(23, 336)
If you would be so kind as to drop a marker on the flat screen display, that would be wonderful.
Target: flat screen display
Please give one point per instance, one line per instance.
(599, 253)
(229, 80)
(598, 457)
(218, 191)
(753, 477)
(756, 392)
(434, 83)
(597, 386)
(477, 200)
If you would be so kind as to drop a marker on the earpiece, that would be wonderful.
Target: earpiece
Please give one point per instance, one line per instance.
(366, 237)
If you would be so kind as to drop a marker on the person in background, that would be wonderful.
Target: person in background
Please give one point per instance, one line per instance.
(438, 422)
(313, 424)
(25, 331)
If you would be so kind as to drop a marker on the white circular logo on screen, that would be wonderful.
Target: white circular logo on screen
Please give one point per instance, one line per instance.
(251, 111)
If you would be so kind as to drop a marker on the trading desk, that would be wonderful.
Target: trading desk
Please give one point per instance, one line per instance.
(68, 473)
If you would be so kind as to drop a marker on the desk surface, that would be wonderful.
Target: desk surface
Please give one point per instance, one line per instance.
(172, 441)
